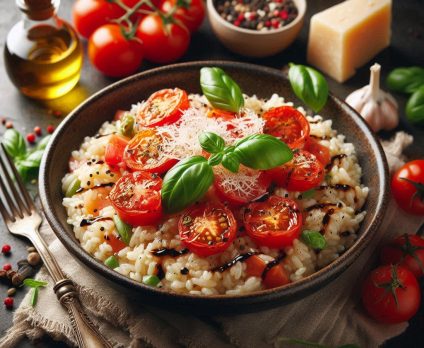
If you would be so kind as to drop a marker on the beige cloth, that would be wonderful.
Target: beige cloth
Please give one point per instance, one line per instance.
(331, 316)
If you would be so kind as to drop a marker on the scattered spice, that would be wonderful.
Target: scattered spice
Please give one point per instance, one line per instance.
(8, 302)
(11, 292)
(259, 14)
(7, 267)
(6, 249)
(31, 249)
(9, 125)
(50, 129)
(3, 120)
(34, 258)
(38, 131)
(30, 138)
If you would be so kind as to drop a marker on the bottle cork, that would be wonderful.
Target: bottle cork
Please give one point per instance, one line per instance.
(38, 10)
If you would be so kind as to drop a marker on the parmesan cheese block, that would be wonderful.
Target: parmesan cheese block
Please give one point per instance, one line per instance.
(346, 36)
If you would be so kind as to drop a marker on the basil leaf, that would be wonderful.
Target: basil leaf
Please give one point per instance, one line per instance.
(406, 80)
(14, 143)
(415, 107)
(231, 162)
(220, 89)
(124, 230)
(211, 142)
(262, 151)
(33, 283)
(32, 160)
(215, 159)
(43, 143)
(314, 239)
(309, 86)
(185, 183)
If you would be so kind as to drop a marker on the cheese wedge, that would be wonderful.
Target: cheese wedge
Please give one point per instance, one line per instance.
(346, 36)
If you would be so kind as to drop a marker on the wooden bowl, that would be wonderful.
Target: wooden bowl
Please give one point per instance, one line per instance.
(255, 43)
(86, 119)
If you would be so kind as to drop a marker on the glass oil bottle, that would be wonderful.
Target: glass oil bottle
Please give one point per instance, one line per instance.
(43, 54)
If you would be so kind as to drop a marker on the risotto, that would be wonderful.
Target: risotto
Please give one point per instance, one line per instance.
(155, 252)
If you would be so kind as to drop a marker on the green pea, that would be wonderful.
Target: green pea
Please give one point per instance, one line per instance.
(112, 262)
(151, 280)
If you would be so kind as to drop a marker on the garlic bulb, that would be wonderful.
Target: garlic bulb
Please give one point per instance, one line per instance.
(378, 108)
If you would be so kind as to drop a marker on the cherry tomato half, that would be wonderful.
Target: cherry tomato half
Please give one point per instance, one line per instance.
(274, 223)
(114, 153)
(287, 124)
(407, 251)
(302, 173)
(391, 294)
(163, 107)
(136, 198)
(321, 152)
(190, 12)
(144, 152)
(112, 53)
(234, 189)
(408, 187)
(207, 229)
(163, 43)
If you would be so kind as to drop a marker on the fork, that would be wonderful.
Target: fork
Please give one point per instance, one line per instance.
(22, 218)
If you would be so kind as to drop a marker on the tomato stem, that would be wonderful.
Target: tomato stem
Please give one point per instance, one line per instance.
(392, 286)
(409, 249)
(419, 193)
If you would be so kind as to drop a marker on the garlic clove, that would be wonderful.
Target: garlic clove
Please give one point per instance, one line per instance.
(378, 108)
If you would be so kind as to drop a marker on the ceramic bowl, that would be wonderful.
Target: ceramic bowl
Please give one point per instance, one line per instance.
(86, 119)
(254, 43)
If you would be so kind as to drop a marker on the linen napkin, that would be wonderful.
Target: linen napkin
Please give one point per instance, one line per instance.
(332, 315)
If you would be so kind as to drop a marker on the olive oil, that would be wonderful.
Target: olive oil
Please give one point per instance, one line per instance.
(43, 54)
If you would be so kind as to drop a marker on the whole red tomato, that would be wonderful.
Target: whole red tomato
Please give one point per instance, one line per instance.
(190, 12)
(112, 53)
(163, 40)
(407, 251)
(391, 294)
(88, 15)
(408, 187)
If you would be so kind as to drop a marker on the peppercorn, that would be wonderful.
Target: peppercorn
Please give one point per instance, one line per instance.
(9, 125)
(17, 279)
(8, 302)
(31, 249)
(50, 129)
(11, 292)
(34, 258)
(6, 249)
(38, 131)
(30, 138)
(7, 267)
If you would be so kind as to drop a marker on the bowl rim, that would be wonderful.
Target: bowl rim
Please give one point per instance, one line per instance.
(300, 286)
(212, 11)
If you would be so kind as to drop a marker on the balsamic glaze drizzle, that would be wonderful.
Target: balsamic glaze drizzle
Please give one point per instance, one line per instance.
(110, 184)
(87, 222)
(169, 252)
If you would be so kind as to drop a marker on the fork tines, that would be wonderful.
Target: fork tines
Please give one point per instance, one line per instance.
(15, 198)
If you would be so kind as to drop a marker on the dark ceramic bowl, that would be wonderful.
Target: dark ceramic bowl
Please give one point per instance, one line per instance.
(89, 116)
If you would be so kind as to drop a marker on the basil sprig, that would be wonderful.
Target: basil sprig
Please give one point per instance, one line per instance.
(27, 161)
(415, 107)
(309, 86)
(314, 239)
(220, 89)
(406, 79)
(188, 180)
(35, 285)
(124, 230)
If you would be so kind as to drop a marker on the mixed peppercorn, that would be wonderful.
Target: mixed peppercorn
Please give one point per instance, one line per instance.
(257, 14)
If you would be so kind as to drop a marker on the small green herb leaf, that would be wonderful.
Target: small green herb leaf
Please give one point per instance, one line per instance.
(151, 280)
(220, 89)
(43, 143)
(185, 183)
(124, 230)
(112, 262)
(14, 143)
(314, 239)
(309, 86)
(73, 187)
(33, 283)
(415, 107)
(33, 160)
(211, 142)
(126, 127)
(215, 159)
(231, 162)
(406, 80)
(34, 296)
(262, 152)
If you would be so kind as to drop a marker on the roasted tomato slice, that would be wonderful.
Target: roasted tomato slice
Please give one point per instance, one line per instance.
(136, 198)
(114, 154)
(163, 107)
(321, 152)
(207, 229)
(274, 223)
(302, 173)
(287, 124)
(144, 152)
(242, 187)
